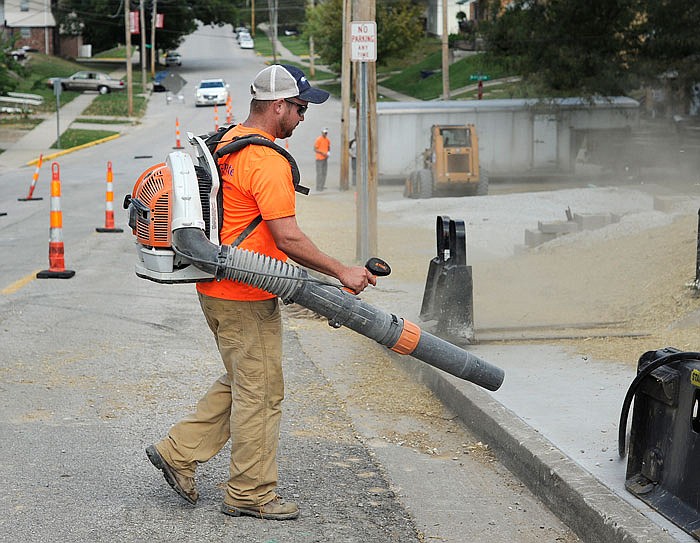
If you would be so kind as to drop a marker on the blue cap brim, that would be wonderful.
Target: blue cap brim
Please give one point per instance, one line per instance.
(314, 96)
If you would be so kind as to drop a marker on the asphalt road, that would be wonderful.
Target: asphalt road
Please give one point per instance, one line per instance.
(95, 368)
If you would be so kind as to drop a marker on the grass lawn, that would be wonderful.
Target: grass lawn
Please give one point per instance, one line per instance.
(19, 122)
(418, 74)
(299, 47)
(424, 79)
(116, 104)
(41, 68)
(117, 52)
(74, 137)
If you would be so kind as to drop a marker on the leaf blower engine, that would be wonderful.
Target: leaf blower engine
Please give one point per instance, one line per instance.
(174, 214)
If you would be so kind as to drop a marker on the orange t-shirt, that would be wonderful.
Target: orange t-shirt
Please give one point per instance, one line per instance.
(255, 181)
(322, 146)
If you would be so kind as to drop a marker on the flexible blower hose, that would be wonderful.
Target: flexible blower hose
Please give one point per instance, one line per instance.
(342, 308)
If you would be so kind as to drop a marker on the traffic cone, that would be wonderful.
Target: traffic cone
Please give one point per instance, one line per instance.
(57, 268)
(216, 118)
(109, 204)
(35, 178)
(229, 117)
(178, 145)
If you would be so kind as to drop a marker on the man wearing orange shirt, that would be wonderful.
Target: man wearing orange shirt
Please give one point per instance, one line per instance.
(244, 404)
(322, 148)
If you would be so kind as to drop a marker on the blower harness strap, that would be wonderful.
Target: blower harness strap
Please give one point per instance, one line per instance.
(235, 144)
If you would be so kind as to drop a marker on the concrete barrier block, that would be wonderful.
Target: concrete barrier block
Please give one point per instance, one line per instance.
(592, 221)
(558, 227)
(667, 204)
(533, 238)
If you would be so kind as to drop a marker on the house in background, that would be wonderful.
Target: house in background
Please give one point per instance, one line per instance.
(472, 10)
(30, 21)
(434, 17)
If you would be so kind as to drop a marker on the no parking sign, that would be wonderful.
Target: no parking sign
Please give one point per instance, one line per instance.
(363, 41)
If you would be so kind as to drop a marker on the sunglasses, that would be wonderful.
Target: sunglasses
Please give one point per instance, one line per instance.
(301, 109)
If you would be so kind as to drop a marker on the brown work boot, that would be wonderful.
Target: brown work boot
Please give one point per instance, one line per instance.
(277, 509)
(181, 484)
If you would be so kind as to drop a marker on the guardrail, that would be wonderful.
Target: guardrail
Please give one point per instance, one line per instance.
(26, 96)
(18, 102)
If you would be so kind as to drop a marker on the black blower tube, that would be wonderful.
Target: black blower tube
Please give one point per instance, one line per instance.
(292, 284)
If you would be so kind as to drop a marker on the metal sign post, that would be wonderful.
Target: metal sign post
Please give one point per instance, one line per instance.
(57, 91)
(363, 42)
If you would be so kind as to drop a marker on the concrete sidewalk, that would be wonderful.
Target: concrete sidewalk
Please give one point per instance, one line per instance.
(39, 140)
(554, 424)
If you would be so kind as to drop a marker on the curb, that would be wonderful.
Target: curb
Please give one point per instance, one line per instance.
(582, 502)
(73, 149)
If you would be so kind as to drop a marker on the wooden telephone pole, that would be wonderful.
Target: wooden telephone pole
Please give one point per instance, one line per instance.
(345, 80)
(361, 41)
(129, 67)
(445, 55)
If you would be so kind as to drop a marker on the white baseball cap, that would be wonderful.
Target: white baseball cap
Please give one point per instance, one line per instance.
(283, 81)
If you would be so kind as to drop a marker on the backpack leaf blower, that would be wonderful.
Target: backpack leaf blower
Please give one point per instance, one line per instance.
(174, 214)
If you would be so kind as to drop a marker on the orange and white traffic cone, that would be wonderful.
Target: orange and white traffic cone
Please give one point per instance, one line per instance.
(229, 116)
(109, 204)
(178, 145)
(216, 117)
(57, 268)
(35, 178)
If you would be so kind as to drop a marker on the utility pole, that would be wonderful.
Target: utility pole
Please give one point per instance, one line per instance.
(272, 9)
(154, 15)
(445, 55)
(142, 55)
(312, 52)
(345, 97)
(252, 18)
(46, 27)
(129, 68)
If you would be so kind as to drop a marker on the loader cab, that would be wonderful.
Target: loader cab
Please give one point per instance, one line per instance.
(454, 158)
(450, 165)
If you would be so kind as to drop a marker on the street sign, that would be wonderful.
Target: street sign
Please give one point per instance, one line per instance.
(363, 41)
(173, 82)
(479, 77)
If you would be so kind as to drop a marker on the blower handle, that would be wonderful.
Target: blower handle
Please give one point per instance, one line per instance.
(377, 267)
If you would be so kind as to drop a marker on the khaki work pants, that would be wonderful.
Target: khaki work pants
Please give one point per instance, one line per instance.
(245, 404)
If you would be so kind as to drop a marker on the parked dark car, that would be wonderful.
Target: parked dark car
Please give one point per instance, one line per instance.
(87, 80)
(158, 81)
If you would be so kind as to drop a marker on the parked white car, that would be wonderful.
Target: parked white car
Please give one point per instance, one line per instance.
(211, 92)
(247, 42)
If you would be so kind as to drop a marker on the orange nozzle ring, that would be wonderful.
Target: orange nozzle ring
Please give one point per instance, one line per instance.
(408, 340)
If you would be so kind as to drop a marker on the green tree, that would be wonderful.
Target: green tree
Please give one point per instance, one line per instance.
(398, 27)
(583, 46)
(599, 46)
(10, 69)
(101, 22)
(670, 44)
